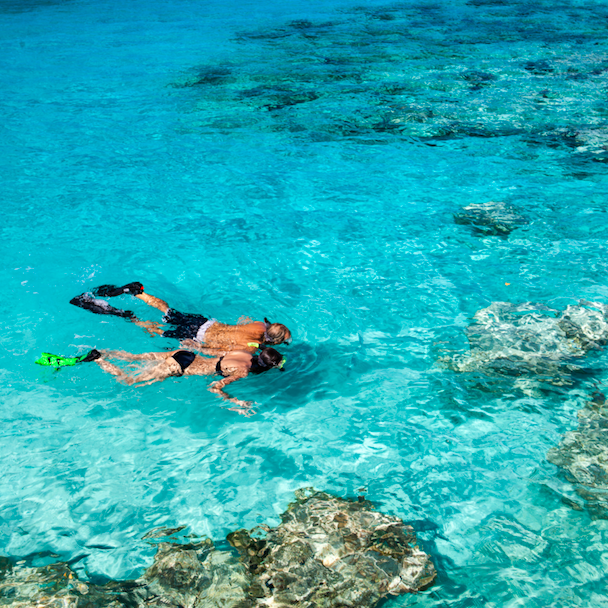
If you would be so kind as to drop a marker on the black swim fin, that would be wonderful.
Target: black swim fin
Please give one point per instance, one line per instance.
(111, 291)
(107, 291)
(99, 307)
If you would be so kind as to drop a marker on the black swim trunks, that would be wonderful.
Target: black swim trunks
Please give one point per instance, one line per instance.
(184, 358)
(186, 325)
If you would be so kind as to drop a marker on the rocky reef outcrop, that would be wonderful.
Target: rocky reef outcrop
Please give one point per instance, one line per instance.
(490, 219)
(327, 552)
(331, 552)
(583, 456)
(532, 341)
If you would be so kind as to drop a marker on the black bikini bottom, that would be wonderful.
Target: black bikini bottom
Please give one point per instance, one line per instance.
(184, 358)
(218, 368)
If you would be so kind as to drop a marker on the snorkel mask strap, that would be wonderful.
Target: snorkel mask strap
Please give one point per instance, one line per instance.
(282, 363)
(266, 338)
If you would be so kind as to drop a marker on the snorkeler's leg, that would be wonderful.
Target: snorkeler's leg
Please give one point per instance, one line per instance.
(110, 368)
(152, 327)
(125, 356)
(166, 367)
(162, 370)
(153, 301)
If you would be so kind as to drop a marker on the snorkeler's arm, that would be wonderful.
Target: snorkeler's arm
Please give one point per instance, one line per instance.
(218, 388)
(153, 301)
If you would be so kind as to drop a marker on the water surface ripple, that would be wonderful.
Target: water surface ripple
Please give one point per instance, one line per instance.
(302, 162)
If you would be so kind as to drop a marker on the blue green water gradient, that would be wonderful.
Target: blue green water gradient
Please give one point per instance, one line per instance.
(300, 161)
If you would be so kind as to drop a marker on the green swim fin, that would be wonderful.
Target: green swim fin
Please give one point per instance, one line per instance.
(58, 361)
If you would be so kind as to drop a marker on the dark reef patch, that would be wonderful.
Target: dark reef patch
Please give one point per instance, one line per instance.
(419, 73)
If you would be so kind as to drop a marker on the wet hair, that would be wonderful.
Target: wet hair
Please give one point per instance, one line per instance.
(275, 332)
(269, 357)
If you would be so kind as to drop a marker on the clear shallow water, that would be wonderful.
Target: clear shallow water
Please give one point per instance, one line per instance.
(304, 163)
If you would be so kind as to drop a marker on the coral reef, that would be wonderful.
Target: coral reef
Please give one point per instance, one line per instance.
(490, 219)
(532, 340)
(387, 73)
(331, 552)
(327, 552)
(583, 456)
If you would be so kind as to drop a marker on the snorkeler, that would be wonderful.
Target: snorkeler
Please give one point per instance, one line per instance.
(195, 331)
(232, 366)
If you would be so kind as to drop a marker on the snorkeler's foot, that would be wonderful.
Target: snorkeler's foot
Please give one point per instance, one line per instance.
(92, 355)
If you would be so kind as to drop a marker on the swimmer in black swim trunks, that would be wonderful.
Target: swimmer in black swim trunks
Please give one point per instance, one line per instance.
(196, 331)
(232, 366)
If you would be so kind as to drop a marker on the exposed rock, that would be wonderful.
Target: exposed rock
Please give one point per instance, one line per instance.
(331, 552)
(490, 219)
(192, 575)
(583, 456)
(327, 552)
(54, 586)
(532, 340)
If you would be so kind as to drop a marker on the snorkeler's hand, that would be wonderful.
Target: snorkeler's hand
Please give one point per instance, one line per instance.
(243, 411)
(244, 408)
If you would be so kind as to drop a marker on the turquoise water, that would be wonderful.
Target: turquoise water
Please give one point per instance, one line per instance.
(303, 162)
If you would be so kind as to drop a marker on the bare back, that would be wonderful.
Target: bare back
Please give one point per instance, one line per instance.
(220, 335)
(236, 362)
